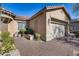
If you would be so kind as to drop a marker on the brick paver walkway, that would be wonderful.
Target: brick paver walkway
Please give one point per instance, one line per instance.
(37, 48)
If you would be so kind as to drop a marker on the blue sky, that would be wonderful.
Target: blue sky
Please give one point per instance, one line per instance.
(29, 9)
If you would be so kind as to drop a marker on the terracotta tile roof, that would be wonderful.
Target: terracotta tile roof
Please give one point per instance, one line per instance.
(5, 16)
(53, 7)
(21, 18)
(6, 11)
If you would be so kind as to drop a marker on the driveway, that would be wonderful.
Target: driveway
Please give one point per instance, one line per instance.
(38, 48)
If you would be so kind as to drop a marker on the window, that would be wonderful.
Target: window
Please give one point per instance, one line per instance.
(21, 25)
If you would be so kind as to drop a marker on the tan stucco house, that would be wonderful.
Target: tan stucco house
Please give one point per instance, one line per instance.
(51, 22)
(10, 22)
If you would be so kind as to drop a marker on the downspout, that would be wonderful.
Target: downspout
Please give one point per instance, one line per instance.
(68, 28)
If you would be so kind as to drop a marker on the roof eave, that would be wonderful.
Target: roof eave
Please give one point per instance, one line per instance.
(52, 8)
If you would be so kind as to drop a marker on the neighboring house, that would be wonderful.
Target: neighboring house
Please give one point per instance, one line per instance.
(10, 22)
(51, 22)
(74, 25)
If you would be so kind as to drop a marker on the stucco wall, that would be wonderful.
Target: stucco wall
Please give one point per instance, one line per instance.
(41, 23)
(58, 14)
(0, 24)
(0, 27)
(38, 24)
(3, 26)
(13, 27)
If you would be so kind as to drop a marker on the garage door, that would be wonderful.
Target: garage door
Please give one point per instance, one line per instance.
(57, 30)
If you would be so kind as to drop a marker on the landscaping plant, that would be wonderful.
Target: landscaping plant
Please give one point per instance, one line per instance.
(22, 31)
(76, 33)
(7, 43)
(29, 31)
(37, 36)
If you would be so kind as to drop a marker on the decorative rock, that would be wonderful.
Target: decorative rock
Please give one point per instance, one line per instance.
(31, 37)
(12, 53)
(15, 53)
(7, 54)
(19, 35)
(0, 55)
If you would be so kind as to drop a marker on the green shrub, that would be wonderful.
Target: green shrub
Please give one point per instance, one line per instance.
(26, 31)
(7, 43)
(22, 31)
(37, 36)
(5, 35)
(76, 33)
(29, 31)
